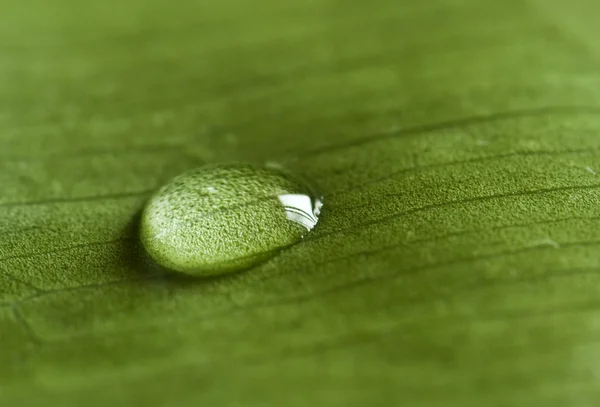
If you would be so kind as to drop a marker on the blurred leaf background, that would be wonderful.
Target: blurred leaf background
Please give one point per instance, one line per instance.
(457, 143)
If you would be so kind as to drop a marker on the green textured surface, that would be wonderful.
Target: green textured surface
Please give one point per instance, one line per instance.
(218, 219)
(456, 262)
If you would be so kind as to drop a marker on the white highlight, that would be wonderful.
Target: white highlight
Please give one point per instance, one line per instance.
(299, 209)
(547, 242)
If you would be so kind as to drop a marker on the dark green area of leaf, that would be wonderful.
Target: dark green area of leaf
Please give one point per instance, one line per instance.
(457, 143)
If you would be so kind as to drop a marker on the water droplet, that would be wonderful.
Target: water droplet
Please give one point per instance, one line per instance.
(222, 218)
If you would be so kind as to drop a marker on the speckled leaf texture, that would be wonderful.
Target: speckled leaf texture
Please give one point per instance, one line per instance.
(457, 259)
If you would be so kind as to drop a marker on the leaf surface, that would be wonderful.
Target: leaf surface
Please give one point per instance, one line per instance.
(457, 144)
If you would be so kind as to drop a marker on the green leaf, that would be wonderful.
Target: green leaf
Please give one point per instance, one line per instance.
(457, 258)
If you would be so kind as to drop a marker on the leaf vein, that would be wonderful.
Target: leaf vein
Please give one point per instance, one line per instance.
(451, 124)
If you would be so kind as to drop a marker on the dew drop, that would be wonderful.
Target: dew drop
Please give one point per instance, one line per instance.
(223, 218)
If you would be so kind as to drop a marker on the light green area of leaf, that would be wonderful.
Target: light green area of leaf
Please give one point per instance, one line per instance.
(457, 260)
